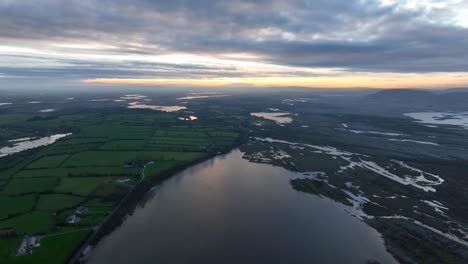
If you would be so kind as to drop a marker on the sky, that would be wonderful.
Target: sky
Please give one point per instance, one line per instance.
(322, 43)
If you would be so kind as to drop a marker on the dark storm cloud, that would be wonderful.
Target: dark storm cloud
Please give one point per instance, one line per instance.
(354, 35)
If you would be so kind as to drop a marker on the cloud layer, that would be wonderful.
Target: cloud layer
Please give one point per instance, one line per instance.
(219, 39)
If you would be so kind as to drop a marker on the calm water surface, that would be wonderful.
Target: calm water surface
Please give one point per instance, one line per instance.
(441, 118)
(23, 144)
(229, 210)
(278, 117)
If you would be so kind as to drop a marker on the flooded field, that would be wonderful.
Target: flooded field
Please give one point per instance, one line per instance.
(279, 117)
(441, 118)
(164, 108)
(28, 143)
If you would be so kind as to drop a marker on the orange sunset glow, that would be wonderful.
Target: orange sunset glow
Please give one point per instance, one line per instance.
(397, 81)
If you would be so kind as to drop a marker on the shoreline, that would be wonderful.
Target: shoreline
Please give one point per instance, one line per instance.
(128, 204)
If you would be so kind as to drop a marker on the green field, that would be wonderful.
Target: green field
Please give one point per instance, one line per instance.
(158, 167)
(48, 162)
(10, 205)
(100, 158)
(120, 158)
(81, 185)
(110, 191)
(38, 191)
(54, 202)
(78, 171)
(49, 172)
(34, 222)
(117, 132)
(8, 248)
(123, 145)
(171, 155)
(9, 169)
(30, 185)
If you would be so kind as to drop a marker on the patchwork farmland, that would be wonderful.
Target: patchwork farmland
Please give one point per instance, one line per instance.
(93, 168)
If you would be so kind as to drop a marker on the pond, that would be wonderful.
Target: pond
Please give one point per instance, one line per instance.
(279, 117)
(198, 96)
(164, 108)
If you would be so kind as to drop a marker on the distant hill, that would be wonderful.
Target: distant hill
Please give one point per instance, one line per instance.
(419, 100)
(454, 90)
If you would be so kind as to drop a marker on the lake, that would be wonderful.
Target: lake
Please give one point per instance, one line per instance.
(230, 210)
(164, 108)
(279, 117)
(441, 118)
(23, 144)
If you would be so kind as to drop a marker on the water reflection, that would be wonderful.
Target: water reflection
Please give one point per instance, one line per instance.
(441, 118)
(50, 110)
(190, 118)
(23, 144)
(279, 117)
(229, 210)
(191, 97)
(164, 108)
